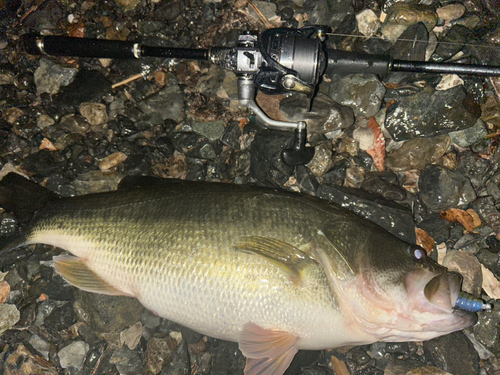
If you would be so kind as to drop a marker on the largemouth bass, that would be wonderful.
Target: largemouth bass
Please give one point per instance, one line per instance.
(275, 271)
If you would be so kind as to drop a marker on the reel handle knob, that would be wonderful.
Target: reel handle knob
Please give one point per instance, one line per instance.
(299, 154)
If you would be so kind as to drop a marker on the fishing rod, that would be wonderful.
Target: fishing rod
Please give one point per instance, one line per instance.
(278, 61)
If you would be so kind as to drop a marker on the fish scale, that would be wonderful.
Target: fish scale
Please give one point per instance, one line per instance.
(272, 270)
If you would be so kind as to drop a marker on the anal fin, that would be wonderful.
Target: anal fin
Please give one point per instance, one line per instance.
(268, 352)
(75, 272)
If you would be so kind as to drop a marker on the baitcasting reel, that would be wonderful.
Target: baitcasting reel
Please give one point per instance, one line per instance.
(278, 61)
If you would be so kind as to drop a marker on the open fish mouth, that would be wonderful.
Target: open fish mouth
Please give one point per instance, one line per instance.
(434, 292)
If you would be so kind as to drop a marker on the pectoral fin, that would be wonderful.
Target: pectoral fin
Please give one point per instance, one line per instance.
(75, 272)
(268, 352)
(283, 255)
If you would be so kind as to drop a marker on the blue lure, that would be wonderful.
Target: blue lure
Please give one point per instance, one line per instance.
(468, 302)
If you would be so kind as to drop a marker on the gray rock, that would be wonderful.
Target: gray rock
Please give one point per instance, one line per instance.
(96, 182)
(40, 345)
(49, 77)
(132, 335)
(362, 92)
(95, 113)
(485, 208)
(210, 83)
(368, 22)
(106, 313)
(322, 160)
(325, 115)
(469, 267)
(401, 15)
(213, 130)
(486, 331)
(392, 217)
(267, 9)
(158, 353)
(74, 124)
(168, 102)
(9, 316)
(417, 153)
(467, 137)
(127, 362)
(73, 355)
(453, 353)
(442, 189)
(474, 167)
(428, 113)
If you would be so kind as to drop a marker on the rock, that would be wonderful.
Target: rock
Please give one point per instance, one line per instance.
(428, 113)
(437, 228)
(96, 182)
(486, 330)
(330, 13)
(368, 22)
(209, 83)
(364, 137)
(469, 267)
(485, 208)
(212, 130)
(427, 370)
(137, 164)
(390, 216)
(156, 103)
(95, 113)
(453, 353)
(325, 115)
(231, 135)
(412, 44)
(60, 318)
(132, 335)
(21, 361)
(267, 9)
(451, 43)
(112, 161)
(179, 362)
(322, 159)
(467, 137)
(158, 353)
(449, 81)
(363, 93)
(73, 355)
(106, 313)
(40, 345)
(74, 124)
(451, 12)
(128, 5)
(417, 153)
(9, 316)
(442, 189)
(378, 185)
(87, 86)
(49, 77)
(127, 362)
(306, 181)
(193, 145)
(165, 146)
(266, 165)
(474, 167)
(401, 15)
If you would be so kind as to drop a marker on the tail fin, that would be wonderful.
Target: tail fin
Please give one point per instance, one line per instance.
(23, 197)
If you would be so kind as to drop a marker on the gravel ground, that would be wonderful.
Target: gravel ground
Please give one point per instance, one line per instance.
(416, 153)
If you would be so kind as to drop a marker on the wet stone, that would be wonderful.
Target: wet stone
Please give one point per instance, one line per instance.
(158, 353)
(95, 113)
(106, 313)
(412, 44)
(212, 130)
(127, 362)
(437, 228)
(467, 137)
(379, 186)
(266, 165)
(401, 15)
(452, 42)
(137, 164)
(73, 355)
(469, 267)
(60, 318)
(49, 77)
(156, 103)
(451, 12)
(363, 93)
(368, 22)
(179, 362)
(306, 180)
(88, 86)
(453, 353)
(474, 167)
(325, 115)
(322, 159)
(74, 124)
(486, 209)
(486, 331)
(417, 153)
(164, 144)
(193, 145)
(390, 216)
(22, 361)
(9, 316)
(231, 135)
(428, 113)
(441, 189)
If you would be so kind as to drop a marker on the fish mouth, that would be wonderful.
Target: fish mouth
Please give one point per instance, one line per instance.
(434, 292)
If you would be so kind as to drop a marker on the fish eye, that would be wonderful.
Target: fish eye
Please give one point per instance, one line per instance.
(417, 252)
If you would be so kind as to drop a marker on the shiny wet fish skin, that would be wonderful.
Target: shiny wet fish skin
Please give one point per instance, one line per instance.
(275, 271)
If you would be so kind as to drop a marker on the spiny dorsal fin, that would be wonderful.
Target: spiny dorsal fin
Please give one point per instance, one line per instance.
(287, 257)
(268, 352)
(75, 272)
